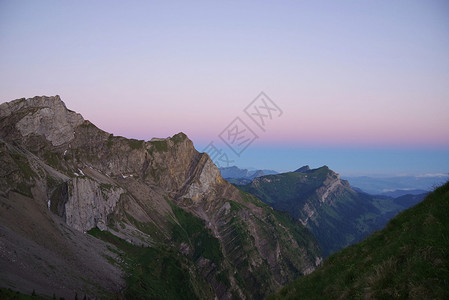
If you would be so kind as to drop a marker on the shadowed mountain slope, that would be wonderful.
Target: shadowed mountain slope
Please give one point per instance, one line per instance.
(408, 259)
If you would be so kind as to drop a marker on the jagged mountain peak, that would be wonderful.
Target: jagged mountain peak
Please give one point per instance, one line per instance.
(39, 116)
(36, 102)
(160, 194)
(34, 122)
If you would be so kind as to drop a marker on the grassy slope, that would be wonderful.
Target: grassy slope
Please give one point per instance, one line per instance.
(151, 273)
(162, 272)
(8, 294)
(335, 226)
(351, 217)
(409, 259)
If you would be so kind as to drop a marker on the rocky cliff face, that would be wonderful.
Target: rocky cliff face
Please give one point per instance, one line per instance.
(161, 195)
(322, 184)
(337, 215)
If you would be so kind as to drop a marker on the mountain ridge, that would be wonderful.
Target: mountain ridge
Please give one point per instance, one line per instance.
(336, 214)
(385, 185)
(160, 195)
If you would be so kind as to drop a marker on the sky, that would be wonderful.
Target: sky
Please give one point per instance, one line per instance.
(362, 87)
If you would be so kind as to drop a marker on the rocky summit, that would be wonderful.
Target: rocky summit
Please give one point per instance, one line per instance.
(84, 212)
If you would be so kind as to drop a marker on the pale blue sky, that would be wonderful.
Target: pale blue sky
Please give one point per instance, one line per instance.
(350, 76)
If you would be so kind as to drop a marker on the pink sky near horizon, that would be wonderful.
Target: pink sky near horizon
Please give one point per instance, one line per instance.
(301, 124)
(346, 74)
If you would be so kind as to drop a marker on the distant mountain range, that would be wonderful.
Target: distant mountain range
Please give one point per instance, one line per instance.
(236, 175)
(235, 172)
(392, 186)
(395, 186)
(337, 215)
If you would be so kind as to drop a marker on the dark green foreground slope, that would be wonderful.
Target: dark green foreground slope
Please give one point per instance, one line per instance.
(409, 259)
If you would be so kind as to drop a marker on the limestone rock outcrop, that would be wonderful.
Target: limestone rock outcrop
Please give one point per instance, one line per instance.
(46, 116)
(89, 203)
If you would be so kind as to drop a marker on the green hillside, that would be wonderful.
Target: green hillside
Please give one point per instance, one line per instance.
(337, 215)
(408, 259)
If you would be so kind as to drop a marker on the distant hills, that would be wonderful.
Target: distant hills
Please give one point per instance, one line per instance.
(235, 172)
(396, 186)
(391, 186)
(408, 259)
(336, 214)
(405, 192)
(236, 175)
